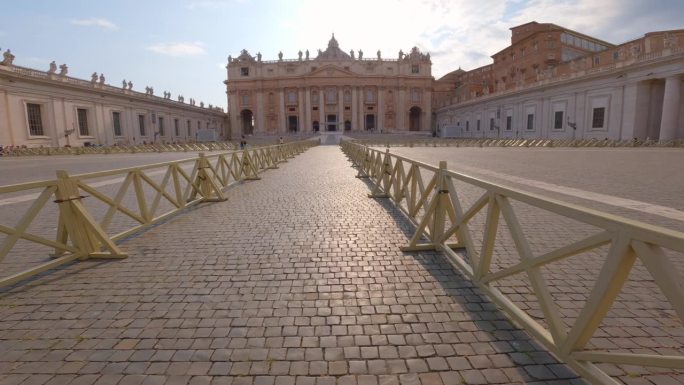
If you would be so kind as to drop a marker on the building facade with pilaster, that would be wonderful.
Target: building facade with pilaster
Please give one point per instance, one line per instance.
(555, 83)
(52, 109)
(334, 91)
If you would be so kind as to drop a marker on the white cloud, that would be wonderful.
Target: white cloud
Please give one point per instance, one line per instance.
(459, 33)
(179, 49)
(97, 22)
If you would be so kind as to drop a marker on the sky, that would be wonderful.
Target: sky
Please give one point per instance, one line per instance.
(182, 46)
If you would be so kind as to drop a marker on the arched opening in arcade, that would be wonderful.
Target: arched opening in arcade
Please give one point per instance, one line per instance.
(247, 118)
(414, 118)
(347, 125)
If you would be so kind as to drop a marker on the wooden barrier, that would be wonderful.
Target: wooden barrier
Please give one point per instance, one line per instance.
(443, 223)
(185, 183)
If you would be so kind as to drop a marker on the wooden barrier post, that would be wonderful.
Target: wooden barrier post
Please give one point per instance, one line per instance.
(75, 222)
(209, 188)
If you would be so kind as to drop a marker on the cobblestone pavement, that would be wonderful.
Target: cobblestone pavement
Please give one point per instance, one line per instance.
(296, 279)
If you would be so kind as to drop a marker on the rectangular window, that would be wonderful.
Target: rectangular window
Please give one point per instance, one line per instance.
(370, 96)
(467, 125)
(415, 69)
(176, 127)
(598, 117)
(141, 125)
(35, 119)
(530, 121)
(199, 127)
(478, 125)
(116, 123)
(491, 124)
(292, 97)
(161, 126)
(189, 128)
(415, 95)
(558, 120)
(244, 71)
(82, 115)
(509, 123)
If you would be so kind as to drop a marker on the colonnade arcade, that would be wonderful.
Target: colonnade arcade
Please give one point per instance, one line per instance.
(329, 108)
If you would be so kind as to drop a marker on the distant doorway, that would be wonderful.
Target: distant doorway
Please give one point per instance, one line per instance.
(414, 119)
(247, 122)
(292, 124)
(347, 125)
(316, 127)
(331, 122)
(370, 122)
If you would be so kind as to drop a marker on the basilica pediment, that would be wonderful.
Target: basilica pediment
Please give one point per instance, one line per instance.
(329, 71)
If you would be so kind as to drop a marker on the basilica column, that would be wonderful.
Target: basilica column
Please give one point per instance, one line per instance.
(362, 110)
(300, 109)
(340, 109)
(282, 126)
(355, 110)
(307, 111)
(669, 119)
(381, 108)
(402, 111)
(260, 121)
(321, 121)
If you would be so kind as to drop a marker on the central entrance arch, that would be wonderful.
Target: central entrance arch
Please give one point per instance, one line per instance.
(247, 118)
(414, 118)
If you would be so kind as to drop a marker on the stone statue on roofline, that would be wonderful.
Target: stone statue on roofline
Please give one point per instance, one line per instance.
(280, 55)
(63, 70)
(123, 84)
(300, 54)
(130, 85)
(379, 58)
(307, 54)
(93, 78)
(53, 67)
(259, 57)
(351, 53)
(8, 58)
(102, 79)
(360, 54)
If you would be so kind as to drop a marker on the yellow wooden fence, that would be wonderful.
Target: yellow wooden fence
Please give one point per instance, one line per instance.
(443, 223)
(79, 235)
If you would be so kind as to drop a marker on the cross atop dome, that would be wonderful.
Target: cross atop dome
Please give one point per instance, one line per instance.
(333, 42)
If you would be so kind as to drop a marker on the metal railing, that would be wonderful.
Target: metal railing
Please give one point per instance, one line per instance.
(83, 220)
(444, 222)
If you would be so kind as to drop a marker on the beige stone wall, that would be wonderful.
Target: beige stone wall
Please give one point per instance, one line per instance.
(357, 93)
(60, 98)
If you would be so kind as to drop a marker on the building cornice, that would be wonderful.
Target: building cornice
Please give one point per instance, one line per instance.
(29, 75)
(645, 61)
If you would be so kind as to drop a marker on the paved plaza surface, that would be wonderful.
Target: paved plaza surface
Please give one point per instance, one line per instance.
(296, 279)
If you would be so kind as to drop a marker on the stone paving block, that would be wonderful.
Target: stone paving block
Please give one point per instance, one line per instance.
(296, 279)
